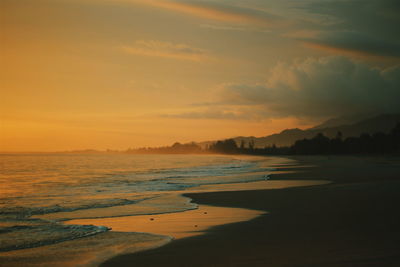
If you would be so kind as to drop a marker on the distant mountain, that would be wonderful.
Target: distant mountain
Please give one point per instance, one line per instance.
(348, 126)
(344, 120)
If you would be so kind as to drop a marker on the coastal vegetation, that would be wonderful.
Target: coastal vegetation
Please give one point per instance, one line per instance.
(377, 143)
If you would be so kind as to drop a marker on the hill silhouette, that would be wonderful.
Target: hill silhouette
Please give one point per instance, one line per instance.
(377, 143)
(351, 128)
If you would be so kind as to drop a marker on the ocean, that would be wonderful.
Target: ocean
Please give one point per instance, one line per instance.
(40, 191)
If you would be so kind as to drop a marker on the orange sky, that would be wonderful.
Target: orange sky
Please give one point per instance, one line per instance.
(113, 74)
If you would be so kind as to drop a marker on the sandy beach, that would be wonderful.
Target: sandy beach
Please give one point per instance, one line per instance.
(199, 133)
(354, 221)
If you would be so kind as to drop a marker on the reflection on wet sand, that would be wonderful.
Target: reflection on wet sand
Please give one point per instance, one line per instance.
(192, 222)
(177, 225)
(136, 233)
(89, 251)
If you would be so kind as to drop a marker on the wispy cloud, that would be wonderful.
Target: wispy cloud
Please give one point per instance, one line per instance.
(213, 11)
(233, 28)
(352, 51)
(353, 44)
(208, 114)
(166, 50)
(357, 28)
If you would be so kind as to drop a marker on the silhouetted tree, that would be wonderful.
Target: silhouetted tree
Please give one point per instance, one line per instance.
(320, 144)
(242, 145)
(377, 143)
(227, 146)
(251, 144)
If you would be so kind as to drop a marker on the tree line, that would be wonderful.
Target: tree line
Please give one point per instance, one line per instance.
(377, 143)
(177, 148)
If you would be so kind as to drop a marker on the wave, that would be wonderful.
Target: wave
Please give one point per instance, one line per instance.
(28, 236)
(61, 188)
(20, 212)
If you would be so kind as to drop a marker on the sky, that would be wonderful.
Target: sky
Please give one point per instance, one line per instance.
(114, 74)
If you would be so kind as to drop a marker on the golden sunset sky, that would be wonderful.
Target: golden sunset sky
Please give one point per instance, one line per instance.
(80, 74)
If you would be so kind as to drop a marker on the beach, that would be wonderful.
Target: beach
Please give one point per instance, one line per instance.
(82, 210)
(199, 133)
(353, 221)
(285, 211)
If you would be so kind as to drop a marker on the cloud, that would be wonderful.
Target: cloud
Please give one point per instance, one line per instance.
(209, 114)
(233, 28)
(346, 27)
(358, 27)
(353, 43)
(214, 11)
(166, 50)
(320, 88)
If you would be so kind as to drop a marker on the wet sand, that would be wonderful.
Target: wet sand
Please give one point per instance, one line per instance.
(176, 225)
(196, 220)
(354, 221)
(131, 234)
(88, 251)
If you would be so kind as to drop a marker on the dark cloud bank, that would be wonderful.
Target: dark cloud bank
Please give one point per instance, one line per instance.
(363, 26)
(320, 88)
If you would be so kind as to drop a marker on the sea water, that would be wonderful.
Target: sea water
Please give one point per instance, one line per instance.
(40, 191)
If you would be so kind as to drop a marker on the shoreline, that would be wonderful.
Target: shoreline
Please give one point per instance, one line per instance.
(351, 222)
(183, 220)
(351, 203)
(44, 253)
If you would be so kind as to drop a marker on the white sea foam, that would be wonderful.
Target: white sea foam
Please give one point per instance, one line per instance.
(38, 190)
(25, 235)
